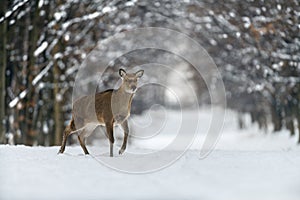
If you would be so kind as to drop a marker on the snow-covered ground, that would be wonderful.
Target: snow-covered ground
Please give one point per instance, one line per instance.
(246, 164)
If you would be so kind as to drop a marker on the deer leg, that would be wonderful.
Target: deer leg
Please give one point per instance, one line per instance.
(126, 131)
(81, 138)
(68, 131)
(109, 131)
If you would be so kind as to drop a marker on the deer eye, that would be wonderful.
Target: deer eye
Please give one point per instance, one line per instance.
(130, 81)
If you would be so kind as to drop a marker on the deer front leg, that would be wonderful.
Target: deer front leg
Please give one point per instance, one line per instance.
(126, 131)
(110, 133)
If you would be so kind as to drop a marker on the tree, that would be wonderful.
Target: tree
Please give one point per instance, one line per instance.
(3, 61)
(255, 45)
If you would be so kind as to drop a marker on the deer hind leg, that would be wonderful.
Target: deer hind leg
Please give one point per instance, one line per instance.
(85, 131)
(110, 133)
(81, 138)
(68, 131)
(126, 131)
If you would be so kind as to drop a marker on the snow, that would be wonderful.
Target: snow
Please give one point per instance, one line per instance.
(130, 3)
(15, 7)
(14, 102)
(8, 13)
(42, 73)
(58, 55)
(58, 15)
(40, 49)
(41, 3)
(246, 164)
(23, 94)
(91, 16)
(106, 9)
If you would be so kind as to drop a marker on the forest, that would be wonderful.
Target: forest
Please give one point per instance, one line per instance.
(254, 43)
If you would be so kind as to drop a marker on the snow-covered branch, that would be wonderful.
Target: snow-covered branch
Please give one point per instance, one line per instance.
(16, 7)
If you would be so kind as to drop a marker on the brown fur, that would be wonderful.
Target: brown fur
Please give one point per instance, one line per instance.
(108, 108)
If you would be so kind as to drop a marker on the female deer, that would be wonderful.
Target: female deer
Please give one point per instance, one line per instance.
(112, 108)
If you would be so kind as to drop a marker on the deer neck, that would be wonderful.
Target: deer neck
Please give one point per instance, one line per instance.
(122, 99)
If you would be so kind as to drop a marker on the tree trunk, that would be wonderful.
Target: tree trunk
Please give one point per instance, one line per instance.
(57, 107)
(290, 126)
(31, 133)
(276, 118)
(3, 29)
(298, 120)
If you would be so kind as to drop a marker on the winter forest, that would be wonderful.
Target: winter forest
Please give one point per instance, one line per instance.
(255, 45)
(52, 51)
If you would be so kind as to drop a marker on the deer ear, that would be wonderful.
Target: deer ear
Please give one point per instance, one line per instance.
(122, 72)
(139, 74)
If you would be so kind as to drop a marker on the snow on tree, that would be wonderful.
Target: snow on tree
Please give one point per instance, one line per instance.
(255, 45)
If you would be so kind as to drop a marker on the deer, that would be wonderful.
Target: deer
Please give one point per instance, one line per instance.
(112, 107)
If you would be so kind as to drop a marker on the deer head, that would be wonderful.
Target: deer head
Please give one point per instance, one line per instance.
(130, 80)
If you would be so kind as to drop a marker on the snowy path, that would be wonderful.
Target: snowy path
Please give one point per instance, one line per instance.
(39, 173)
(246, 164)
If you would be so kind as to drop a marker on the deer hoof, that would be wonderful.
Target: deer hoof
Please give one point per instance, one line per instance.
(121, 151)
